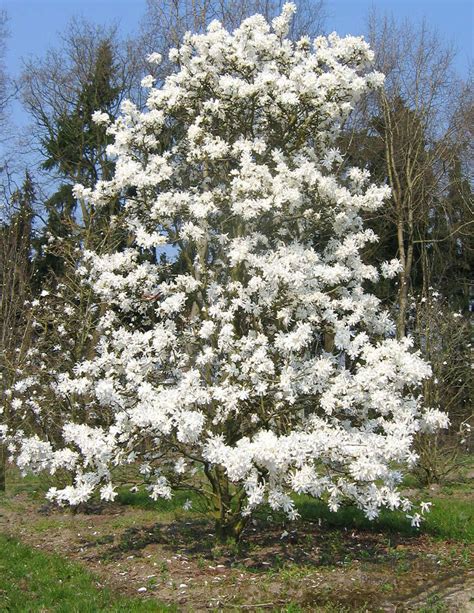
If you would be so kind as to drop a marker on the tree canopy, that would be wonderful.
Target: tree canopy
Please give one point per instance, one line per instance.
(264, 366)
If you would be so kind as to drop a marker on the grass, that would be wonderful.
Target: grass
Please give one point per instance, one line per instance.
(34, 485)
(34, 581)
(142, 500)
(449, 519)
(434, 604)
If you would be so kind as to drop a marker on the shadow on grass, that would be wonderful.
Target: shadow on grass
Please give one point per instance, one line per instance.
(320, 537)
(266, 544)
(449, 518)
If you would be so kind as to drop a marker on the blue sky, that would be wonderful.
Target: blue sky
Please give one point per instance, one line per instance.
(34, 24)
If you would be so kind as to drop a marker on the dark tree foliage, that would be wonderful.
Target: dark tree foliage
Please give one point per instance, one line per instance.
(76, 150)
(451, 253)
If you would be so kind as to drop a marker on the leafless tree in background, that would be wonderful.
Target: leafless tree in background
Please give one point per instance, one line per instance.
(51, 86)
(416, 122)
(4, 85)
(7, 92)
(166, 21)
(418, 133)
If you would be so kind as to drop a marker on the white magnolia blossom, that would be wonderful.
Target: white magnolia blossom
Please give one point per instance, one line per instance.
(391, 269)
(100, 118)
(265, 359)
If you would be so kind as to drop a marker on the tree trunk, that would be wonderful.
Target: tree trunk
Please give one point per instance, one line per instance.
(3, 467)
(230, 528)
(229, 522)
(402, 305)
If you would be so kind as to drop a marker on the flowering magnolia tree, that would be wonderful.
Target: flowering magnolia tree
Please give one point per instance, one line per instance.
(261, 367)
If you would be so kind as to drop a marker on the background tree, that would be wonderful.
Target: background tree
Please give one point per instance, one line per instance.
(3, 77)
(7, 149)
(15, 277)
(444, 336)
(62, 93)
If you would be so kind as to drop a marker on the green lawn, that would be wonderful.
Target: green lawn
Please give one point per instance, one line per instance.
(34, 581)
(449, 518)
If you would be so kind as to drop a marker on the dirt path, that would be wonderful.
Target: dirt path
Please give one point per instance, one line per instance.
(455, 593)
